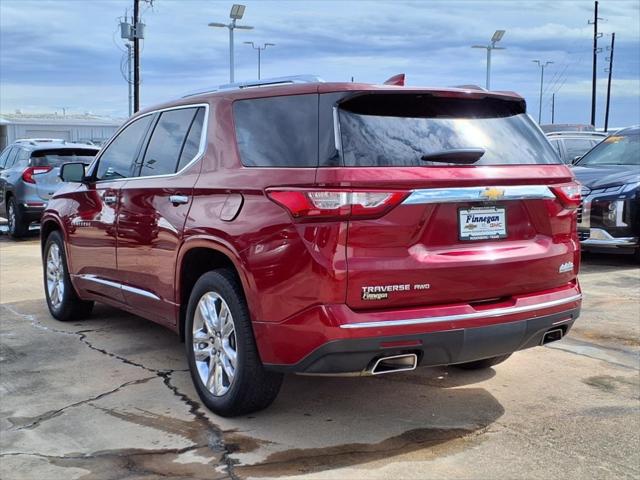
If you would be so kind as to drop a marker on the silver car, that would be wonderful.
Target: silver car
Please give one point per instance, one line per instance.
(29, 176)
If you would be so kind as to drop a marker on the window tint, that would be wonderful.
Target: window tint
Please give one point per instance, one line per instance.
(576, 147)
(398, 130)
(4, 156)
(118, 158)
(278, 131)
(167, 140)
(192, 145)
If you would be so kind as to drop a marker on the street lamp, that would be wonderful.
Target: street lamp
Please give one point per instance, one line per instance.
(497, 36)
(237, 11)
(260, 49)
(542, 67)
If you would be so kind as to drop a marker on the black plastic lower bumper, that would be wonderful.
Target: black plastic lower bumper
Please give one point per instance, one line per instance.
(437, 348)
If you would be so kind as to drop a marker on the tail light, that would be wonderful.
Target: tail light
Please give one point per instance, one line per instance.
(568, 194)
(29, 172)
(336, 204)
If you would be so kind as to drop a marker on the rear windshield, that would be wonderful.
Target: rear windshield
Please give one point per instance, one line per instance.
(56, 157)
(386, 130)
(614, 150)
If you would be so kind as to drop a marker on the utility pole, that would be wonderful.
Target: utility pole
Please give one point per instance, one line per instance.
(260, 49)
(497, 36)
(542, 67)
(136, 56)
(610, 70)
(596, 35)
(553, 108)
(129, 79)
(237, 12)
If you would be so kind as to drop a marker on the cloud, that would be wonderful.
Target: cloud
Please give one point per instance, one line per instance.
(50, 45)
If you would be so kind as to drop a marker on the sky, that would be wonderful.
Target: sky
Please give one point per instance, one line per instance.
(57, 54)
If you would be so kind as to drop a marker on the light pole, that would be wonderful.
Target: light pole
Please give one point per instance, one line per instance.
(260, 49)
(237, 11)
(497, 36)
(542, 67)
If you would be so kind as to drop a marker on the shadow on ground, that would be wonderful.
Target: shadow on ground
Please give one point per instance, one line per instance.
(316, 424)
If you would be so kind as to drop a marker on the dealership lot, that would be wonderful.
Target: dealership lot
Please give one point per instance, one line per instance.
(111, 398)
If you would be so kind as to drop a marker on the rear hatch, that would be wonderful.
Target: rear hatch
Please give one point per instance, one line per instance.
(449, 198)
(46, 167)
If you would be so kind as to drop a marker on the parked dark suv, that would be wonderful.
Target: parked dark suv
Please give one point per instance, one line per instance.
(609, 220)
(323, 228)
(29, 175)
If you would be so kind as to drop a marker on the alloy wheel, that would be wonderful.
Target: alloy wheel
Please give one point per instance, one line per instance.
(55, 275)
(214, 344)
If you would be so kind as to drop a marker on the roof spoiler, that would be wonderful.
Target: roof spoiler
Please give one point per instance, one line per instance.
(397, 80)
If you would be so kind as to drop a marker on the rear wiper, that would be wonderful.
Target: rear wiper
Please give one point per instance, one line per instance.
(465, 156)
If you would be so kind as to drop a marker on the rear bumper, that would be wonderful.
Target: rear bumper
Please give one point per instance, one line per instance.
(356, 356)
(32, 211)
(333, 339)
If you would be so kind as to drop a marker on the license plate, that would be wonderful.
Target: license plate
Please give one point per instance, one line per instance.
(482, 223)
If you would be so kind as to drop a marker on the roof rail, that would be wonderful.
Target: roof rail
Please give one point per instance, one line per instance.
(35, 141)
(471, 87)
(266, 82)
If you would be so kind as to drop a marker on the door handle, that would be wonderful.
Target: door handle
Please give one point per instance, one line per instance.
(179, 199)
(110, 199)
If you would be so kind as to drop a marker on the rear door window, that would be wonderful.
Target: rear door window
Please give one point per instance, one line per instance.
(167, 142)
(194, 138)
(387, 130)
(277, 131)
(118, 159)
(12, 157)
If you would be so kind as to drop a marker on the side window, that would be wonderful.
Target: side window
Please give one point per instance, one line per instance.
(576, 147)
(277, 131)
(4, 156)
(12, 157)
(167, 141)
(192, 145)
(21, 158)
(556, 146)
(118, 158)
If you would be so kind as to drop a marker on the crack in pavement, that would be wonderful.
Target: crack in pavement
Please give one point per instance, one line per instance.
(215, 435)
(54, 413)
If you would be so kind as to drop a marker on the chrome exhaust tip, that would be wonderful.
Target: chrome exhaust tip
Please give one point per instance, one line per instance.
(395, 363)
(552, 335)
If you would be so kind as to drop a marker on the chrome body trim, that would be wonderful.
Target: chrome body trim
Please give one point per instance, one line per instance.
(110, 283)
(475, 194)
(496, 312)
(599, 237)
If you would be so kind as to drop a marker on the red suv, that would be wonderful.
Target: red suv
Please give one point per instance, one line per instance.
(322, 228)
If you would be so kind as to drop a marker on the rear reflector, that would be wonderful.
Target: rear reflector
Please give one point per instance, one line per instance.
(29, 172)
(568, 194)
(340, 204)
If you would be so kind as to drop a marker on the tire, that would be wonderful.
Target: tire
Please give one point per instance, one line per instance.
(62, 299)
(18, 227)
(482, 364)
(233, 389)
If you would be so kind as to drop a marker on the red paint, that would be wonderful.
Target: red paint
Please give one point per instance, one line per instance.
(303, 279)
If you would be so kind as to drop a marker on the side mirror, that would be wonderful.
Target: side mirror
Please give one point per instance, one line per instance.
(576, 159)
(72, 172)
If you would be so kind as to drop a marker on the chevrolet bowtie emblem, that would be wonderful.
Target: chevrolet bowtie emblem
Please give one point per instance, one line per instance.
(492, 193)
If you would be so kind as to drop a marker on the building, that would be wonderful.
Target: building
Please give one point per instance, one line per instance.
(70, 127)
